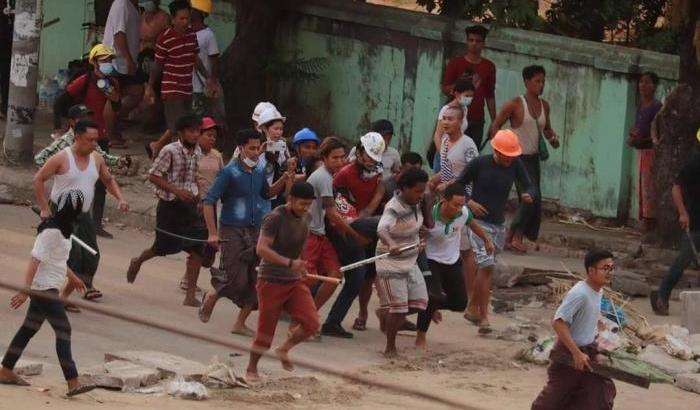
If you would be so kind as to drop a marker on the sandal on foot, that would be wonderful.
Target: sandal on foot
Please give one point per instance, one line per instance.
(473, 319)
(92, 294)
(359, 324)
(81, 389)
(485, 329)
(15, 381)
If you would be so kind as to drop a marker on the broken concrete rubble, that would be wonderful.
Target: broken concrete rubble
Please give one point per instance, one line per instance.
(122, 375)
(28, 368)
(690, 306)
(168, 365)
(689, 382)
(656, 356)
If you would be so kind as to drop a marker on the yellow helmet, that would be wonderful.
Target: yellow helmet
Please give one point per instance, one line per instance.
(202, 5)
(100, 50)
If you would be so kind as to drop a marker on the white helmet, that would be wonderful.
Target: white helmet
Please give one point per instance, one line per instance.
(268, 115)
(374, 145)
(262, 106)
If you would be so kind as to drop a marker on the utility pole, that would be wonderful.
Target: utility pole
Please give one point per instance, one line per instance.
(24, 72)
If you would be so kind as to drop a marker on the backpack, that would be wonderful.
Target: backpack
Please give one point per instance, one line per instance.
(63, 100)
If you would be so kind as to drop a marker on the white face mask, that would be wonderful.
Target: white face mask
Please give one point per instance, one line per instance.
(465, 101)
(248, 162)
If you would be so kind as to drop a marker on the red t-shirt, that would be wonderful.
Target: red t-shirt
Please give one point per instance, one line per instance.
(177, 53)
(484, 81)
(362, 191)
(94, 99)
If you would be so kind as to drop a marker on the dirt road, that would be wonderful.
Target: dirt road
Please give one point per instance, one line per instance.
(459, 364)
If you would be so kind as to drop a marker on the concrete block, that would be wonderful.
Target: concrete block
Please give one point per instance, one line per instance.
(28, 368)
(689, 382)
(656, 356)
(122, 375)
(694, 343)
(690, 311)
(168, 365)
(506, 276)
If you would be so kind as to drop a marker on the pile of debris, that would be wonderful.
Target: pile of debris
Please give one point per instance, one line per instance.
(151, 372)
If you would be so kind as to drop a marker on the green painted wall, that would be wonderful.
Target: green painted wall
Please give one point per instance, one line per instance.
(387, 63)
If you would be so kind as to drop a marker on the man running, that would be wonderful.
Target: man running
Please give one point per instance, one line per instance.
(242, 187)
(445, 283)
(571, 383)
(492, 177)
(400, 283)
(529, 118)
(280, 284)
(174, 175)
(79, 167)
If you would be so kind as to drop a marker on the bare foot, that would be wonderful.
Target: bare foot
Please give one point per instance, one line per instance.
(283, 355)
(421, 341)
(391, 353)
(252, 376)
(192, 302)
(243, 331)
(381, 315)
(437, 317)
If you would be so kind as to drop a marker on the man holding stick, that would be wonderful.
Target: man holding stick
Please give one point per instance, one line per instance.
(280, 284)
(79, 167)
(572, 382)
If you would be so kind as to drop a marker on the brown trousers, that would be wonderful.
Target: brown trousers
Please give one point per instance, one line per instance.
(571, 389)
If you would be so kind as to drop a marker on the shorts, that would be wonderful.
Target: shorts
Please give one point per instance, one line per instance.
(181, 219)
(465, 242)
(320, 255)
(174, 109)
(498, 236)
(402, 293)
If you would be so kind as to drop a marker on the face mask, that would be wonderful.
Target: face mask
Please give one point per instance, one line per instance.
(371, 172)
(106, 68)
(149, 6)
(248, 162)
(465, 101)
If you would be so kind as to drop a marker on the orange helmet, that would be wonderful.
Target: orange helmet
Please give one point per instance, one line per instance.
(506, 143)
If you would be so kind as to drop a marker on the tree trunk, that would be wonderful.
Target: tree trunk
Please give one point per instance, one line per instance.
(244, 61)
(677, 122)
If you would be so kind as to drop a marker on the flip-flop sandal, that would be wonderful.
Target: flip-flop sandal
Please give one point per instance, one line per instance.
(81, 389)
(408, 326)
(203, 317)
(244, 332)
(485, 329)
(92, 294)
(360, 324)
(16, 381)
(72, 308)
(471, 318)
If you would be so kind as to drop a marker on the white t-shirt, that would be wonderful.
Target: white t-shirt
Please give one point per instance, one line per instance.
(444, 238)
(123, 18)
(207, 48)
(465, 123)
(581, 310)
(52, 250)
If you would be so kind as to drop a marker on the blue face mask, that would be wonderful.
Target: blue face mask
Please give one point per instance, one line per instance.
(106, 68)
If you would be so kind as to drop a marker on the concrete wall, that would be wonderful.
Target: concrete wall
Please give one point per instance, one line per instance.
(387, 63)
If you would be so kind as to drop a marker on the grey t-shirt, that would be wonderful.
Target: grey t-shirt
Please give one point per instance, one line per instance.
(322, 181)
(581, 310)
(123, 18)
(289, 234)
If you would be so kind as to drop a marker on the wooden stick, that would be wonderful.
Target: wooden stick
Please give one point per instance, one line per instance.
(374, 258)
(328, 279)
(83, 244)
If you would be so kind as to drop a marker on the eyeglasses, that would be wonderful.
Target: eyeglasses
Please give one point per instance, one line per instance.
(607, 268)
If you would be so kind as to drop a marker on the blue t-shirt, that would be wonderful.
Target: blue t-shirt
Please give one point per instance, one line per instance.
(244, 195)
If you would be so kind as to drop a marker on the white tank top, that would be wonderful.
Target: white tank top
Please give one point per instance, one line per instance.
(83, 180)
(529, 131)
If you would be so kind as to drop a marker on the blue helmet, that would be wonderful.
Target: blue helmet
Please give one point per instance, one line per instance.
(305, 134)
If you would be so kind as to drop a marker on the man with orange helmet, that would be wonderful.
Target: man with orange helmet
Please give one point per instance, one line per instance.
(492, 177)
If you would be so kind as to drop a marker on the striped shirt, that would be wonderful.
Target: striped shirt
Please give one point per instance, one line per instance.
(402, 221)
(179, 166)
(177, 53)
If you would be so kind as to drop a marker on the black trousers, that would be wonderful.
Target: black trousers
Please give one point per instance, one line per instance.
(98, 202)
(445, 291)
(529, 216)
(41, 309)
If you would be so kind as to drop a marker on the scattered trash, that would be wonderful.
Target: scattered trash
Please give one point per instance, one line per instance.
(611, 311)
(222, 375)
(539, 353)
(187, 390)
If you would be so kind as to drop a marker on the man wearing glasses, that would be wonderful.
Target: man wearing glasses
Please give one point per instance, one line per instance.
(571, 381)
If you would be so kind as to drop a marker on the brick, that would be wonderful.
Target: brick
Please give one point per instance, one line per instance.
(122, 375)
